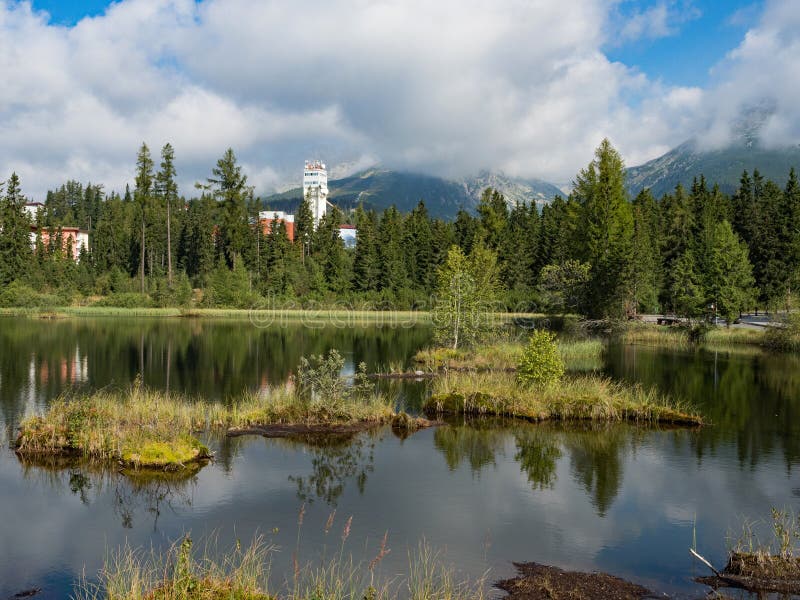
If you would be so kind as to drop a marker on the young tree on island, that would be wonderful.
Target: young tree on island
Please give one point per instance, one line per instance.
(465, 297)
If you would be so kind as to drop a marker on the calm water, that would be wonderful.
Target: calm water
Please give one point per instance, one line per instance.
(612, 498)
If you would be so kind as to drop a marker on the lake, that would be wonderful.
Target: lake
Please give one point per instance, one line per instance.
(616, 498)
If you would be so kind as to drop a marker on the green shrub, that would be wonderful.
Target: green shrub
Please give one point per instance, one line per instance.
(785, 337)
(19, 295)
(125, 300)
(541, 362)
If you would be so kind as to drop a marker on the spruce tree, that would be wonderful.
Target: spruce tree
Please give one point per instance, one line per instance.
(167, 190)
(732, 279)
(606, 228)
(366, 261)
(229, 186)
(15, 228)
(142, 193)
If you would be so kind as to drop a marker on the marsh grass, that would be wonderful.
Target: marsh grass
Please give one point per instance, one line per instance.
(581, 397)
(775, 558)
(680, 337)
(147, 428)
(182, 573)
(578, 354)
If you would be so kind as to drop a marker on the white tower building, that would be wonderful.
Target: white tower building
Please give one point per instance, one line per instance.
(315, 187)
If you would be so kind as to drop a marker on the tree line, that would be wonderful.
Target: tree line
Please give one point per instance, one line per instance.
(695, 251)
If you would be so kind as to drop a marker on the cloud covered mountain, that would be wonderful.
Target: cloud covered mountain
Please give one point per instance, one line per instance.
(379, 188)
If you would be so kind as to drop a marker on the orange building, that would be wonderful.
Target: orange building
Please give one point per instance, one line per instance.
(267, 217)
(72, 239)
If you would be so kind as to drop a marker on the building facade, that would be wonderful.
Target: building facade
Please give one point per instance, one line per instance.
(266, 218)
(315, 187)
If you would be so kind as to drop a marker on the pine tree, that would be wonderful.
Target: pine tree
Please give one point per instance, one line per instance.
(686, 292)
(418, 247)
(229, 187)
(167, 190)
(393, 268)
(142, 193)
(493, 213)
(732, 282)
(644, 282)
(15, 226)
(366, 261)
(606, 229)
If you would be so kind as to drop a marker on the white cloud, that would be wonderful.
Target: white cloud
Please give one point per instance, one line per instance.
(450, 87)
(662, 19)
(762, 72)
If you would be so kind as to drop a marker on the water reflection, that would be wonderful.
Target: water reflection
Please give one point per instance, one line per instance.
(132, 494)
(751, 398)
(215, 359)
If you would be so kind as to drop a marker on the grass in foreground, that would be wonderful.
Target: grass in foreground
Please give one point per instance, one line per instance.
(244, 574)
(583, 397)
(504, 356)
(146, 428)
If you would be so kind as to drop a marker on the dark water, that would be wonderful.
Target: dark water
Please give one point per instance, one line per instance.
(614, 498)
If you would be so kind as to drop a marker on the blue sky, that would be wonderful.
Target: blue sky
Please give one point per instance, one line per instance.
(447, 87)
(69, 12)
(703, 32)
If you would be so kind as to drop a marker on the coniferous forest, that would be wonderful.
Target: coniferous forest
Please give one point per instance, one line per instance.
(596, 252)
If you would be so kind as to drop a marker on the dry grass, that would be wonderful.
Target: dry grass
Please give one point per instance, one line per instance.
(573, 398)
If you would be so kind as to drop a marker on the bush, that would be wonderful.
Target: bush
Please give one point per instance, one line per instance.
(20, 295)
(786, 337)
(541, 362)
(230, 288)
(125, 300)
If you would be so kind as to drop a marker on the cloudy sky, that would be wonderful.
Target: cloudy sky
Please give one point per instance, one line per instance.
(529, 87)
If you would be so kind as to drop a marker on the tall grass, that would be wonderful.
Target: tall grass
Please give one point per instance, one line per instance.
(181, 573)
(777, 557)
(148, 428)
(583, 397)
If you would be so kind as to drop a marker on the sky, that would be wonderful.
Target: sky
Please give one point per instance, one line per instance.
(527, 87)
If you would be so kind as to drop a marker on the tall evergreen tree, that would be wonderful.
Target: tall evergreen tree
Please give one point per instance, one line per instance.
(142, 193)
(366, 260)
(229, 186)
(167, 190)
(732, 286)
(15, 227)
(606, 229)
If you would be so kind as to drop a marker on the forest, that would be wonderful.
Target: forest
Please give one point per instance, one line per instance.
(694, 252)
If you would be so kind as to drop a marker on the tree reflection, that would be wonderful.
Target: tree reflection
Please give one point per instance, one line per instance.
(538, 452)
(596, 455)
(475, 443)
(133, 492)
(335, 460)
